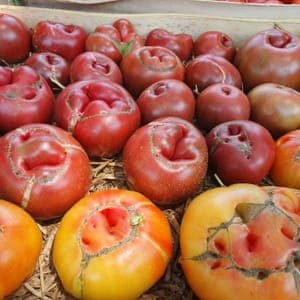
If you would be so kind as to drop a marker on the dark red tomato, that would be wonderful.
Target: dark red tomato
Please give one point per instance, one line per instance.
(240, 151)
(63, 39)
(101, 115)
(53, 67)
(15, 39)
(272, 55)
(180, 43)
(43, 169)
(146, 65)
(166, 160)
(219, 103)
(25, 97)
(114, 40)
(216, 43)
(207, 69)
(166, 98)
(95, 65)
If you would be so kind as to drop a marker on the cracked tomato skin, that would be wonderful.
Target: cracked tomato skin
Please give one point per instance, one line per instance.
(20, 247)
(242, 242)
(25, 97)
(240, 151)
(174, 161)
(43, 169)
(101, 115)
(119, 233)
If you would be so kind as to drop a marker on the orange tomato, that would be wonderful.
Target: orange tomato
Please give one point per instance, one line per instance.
(112, 244)
(242, 242)
(20, 246)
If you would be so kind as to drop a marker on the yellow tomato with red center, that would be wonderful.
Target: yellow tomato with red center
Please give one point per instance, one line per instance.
(242, 242)
(112, 244)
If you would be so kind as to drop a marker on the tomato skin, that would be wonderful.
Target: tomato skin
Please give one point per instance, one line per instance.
(116, 233)
(228, 230)
(240, 151)
(207, 69)
(215, 43)
(20, 247)
(219, 103)
(106, 107)
(285, 169)
(272, 55)
(43, 169)
(146, 65)
(15, 39)
(50, 66)
(66, 40)
(173, 163)
(33, 99)
(94, 65)
(165, 98)
(180, 43)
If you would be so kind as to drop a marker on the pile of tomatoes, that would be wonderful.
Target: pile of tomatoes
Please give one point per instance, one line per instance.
(173, 107)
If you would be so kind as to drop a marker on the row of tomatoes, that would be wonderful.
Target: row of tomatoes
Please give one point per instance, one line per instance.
(46, 169)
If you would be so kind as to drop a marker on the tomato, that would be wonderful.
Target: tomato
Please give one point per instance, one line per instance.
(166, 160)
(286, 166)
(53, 67)
(219, 103)
(116, 233)
(43, 169)
(95, 65)
(15, 39)
(101, 115)
(242, 240)
(240, 151)
(272, 55)
(20, 247)
(165, 98)
(114, 40)
(25, 97)
(180, 43)
(276, 107)
(207, 69)
(146, 65)
(66, 40)
(216, 43)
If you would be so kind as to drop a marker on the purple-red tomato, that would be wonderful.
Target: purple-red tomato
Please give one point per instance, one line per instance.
(145, 65)
(25, 97)
(53, 67)
(15, 39)
(100, 114)
(180, 43)
(95, 65)
(43, 169)
(207, 69)
(166, 160)
(219, 103)
(66, 40)
(272, 55)
(216, 43)
(240, 151)
(165, 98)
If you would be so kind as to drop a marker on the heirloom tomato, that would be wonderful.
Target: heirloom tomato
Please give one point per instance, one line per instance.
(101, 115)
(15, 39)
(240, 151)
(146, 65)
(242, 242)
(112, 244)
(43, 169)
(25, 97)
(166, 160)
(20, 247)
